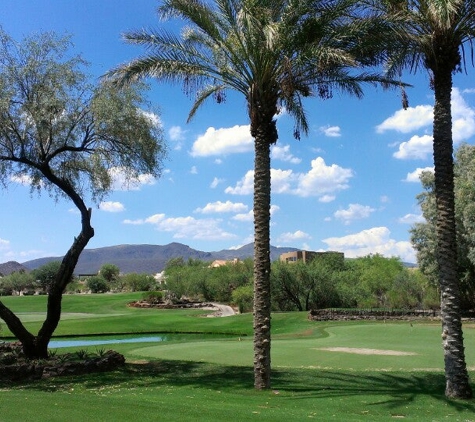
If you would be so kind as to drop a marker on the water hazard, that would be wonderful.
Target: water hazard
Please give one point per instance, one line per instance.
(101, 341)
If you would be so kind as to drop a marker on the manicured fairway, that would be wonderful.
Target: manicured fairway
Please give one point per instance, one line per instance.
(341, 371)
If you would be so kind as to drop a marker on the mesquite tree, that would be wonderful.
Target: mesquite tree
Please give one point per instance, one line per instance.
(66, 136)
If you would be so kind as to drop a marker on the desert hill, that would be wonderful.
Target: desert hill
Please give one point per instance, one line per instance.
(149, 259)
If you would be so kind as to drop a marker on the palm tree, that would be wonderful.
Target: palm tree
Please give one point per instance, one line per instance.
(435, 35)
(275, 53)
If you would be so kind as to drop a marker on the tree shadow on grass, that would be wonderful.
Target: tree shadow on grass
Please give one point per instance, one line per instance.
(391, 390)
(394, 389)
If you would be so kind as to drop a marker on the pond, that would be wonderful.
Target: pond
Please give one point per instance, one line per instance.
(105, 340)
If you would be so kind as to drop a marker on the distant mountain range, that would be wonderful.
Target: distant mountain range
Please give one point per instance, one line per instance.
(148, 259)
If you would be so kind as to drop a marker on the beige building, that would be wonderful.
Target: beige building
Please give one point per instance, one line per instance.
(219, 263)
(306, 256)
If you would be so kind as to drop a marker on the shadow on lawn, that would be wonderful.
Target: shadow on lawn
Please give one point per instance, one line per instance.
(394, 389)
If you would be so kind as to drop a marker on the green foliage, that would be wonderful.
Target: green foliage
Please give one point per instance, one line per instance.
(174, 262)
(243, 297)
(376, 275)
(304, 286)
(16, 282)
(423, 235)
(326, 282)
(71, 135)
(197, 280)
(97, 284)
(46, 274)
(75, 286)
(110, 272)
(134, 282)
(153, 297)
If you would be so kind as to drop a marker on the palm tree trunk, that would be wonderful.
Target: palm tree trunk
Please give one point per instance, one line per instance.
(457, 382)
(262, 301)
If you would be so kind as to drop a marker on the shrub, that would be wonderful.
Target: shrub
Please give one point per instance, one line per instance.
(243, 298)
(97, 284)
(138, 282)
(153, 297)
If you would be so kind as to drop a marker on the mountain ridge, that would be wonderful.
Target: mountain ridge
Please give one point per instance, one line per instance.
(147, 258)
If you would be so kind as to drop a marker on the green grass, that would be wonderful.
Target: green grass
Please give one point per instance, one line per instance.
(212, 380)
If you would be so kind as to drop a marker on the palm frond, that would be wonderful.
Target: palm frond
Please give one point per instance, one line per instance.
(202, 96)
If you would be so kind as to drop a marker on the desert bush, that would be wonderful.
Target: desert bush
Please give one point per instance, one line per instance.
(97, 284)
(153, 297)
(138, 282)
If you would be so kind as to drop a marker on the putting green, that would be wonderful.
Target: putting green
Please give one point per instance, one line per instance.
(359, 346)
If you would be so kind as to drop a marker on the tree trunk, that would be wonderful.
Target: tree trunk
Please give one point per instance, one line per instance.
(36, 347)
(457, 381)
(262, 302)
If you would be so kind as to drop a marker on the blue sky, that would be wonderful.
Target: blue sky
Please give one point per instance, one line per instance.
(349, 186)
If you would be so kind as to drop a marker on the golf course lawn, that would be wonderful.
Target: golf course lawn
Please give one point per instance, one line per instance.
(342, 371)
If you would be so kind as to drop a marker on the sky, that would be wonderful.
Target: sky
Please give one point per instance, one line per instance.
(349, 186)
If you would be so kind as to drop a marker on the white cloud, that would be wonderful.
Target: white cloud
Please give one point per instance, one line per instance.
(418, 147)
(353, 212)
(321, 180)
(194, 170)
(283, 153)
(293, 237)
(282, 180)
(177, 136)
(469, 91)
(326, 198)
(110, 206)
(176, 133)
(221, 207)
(223, 141)
(248, 216)
(414, 177)
(331, 131)
(274, 209)
(372, 241)
(216, 181)
(121, 181)
(245, 186)
(186, 227)
(4, 244)
(411, 219)
(463, 118)
(406, 121)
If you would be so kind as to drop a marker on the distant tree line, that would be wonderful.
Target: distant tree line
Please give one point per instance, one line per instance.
(108, 279)
(369, 282)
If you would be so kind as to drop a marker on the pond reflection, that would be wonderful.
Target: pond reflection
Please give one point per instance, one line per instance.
(56, 344)
(104, 340)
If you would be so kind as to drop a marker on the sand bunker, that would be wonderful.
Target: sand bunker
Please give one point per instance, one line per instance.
(367, 351)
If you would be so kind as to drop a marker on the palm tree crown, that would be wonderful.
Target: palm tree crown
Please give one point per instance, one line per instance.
(258, 48)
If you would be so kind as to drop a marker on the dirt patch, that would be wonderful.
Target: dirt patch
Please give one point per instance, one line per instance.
(358, 351)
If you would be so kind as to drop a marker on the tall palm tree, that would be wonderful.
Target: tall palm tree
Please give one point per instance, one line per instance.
(435, 35)
(274, 52)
